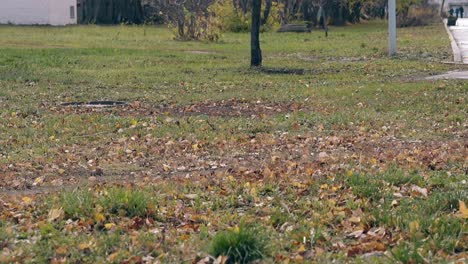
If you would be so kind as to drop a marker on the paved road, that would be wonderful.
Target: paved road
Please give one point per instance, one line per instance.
(460, 34)
(461, 75)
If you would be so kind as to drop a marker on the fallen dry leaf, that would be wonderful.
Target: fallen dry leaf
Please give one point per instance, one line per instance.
(27, 200)
(98, 217)
(463, 210)
(366, 248)
(418, 191)
(55, 214)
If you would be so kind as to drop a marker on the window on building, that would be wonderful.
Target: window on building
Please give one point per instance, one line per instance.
(72, 12)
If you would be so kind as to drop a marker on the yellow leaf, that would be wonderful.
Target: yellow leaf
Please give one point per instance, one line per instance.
(27, 200)
(349, 173)
(134, 122)
(336, 188)
(166, 167)
(463, 210)
(112, 257)
(109, 226)
(98, 217)
(298, 184)
(301, 249)
(414, 227)
(83, 246)
(253, 192)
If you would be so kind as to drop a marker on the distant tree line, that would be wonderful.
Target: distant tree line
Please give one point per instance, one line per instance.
(204, 19)
(110, 11)
(339, 11)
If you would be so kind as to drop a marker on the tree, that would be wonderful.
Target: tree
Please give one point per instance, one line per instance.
(255, 51)
(442, 14)
(193, 19)
(110, 11)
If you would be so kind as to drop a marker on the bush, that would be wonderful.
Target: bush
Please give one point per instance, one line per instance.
(242, 244)
(232, 20)
(416, 16)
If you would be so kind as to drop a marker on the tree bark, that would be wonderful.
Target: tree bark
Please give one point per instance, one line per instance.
(266, 12)
(256, 52)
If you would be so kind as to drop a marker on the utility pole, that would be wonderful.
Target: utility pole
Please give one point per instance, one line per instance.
(392, 27)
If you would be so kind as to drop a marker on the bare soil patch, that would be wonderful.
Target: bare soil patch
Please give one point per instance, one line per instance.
(225, 108)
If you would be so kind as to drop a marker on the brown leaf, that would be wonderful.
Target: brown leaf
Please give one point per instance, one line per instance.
(418, 191)
(61, 250)
(355, 219)
(463, 210)
(366, 248)
(356, 234)
(221, 260)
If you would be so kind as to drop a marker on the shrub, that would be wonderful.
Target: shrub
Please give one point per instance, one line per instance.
(126, 201)
(417, 15)
(193, 20)
(242, 244)
(233, 19)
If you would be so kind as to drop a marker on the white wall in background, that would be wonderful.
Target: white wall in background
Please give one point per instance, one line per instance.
(38, 12)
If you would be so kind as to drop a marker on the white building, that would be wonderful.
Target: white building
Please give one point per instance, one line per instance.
(38, 12)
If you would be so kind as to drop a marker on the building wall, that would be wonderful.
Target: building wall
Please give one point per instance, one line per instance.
(37, 12)
(59, 12)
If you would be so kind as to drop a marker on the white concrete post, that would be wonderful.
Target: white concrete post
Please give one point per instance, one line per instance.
(392, 27)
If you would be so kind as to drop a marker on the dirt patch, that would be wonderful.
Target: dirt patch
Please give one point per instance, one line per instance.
(233, 108)
(200, 52)
(268, 70)
(225, 108)
(96, 104)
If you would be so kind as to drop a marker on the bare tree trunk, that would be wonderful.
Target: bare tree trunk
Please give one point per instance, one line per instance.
(266, 12)
(255, 51)
(442, 9)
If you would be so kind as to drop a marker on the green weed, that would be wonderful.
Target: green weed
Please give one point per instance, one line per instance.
(241, 245)
(127, 202)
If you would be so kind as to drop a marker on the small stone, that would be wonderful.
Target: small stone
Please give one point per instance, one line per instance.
(92, 179)
(323, 157)
(191, 196)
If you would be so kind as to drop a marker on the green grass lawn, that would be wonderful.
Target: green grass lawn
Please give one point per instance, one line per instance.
(357, 159)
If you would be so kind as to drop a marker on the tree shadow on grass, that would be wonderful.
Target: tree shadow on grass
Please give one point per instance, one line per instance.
(272, 70)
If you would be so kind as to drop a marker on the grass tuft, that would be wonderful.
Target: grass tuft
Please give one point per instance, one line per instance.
(78, 203)
(244, 244)
(127, 202)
